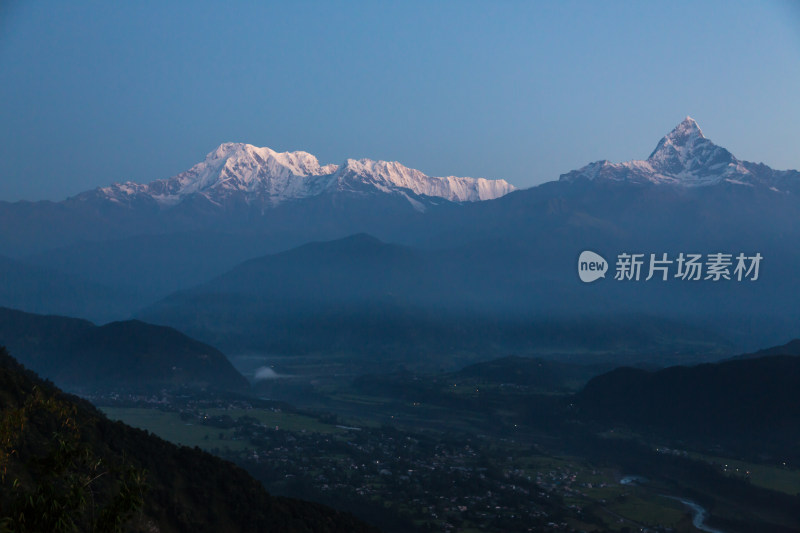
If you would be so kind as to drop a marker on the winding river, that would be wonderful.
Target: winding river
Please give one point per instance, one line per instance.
(699, 515)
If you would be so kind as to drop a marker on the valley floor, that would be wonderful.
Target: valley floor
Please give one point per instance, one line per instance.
(427, 464)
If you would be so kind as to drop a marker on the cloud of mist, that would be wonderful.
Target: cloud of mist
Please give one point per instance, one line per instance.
(266, 372)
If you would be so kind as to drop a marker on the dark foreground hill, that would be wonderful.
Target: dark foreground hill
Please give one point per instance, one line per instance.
(132, 354)
(747, 404)
(66, 467)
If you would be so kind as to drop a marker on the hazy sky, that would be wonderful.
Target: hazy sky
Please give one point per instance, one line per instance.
(97, 92)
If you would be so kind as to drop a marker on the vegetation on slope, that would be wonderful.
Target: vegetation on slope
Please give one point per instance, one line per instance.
(66, 467)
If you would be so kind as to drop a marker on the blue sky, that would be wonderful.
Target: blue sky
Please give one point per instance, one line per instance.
(97, 92)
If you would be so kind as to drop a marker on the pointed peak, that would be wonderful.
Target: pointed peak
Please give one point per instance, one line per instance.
(686, 129)
(682, 138)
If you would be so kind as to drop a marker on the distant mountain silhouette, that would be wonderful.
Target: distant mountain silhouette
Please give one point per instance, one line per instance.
(77, 354)
(752, 404)
(359, 295)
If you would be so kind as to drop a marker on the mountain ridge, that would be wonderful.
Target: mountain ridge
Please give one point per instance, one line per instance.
(264, 177)
(517, 251)
(748, 402)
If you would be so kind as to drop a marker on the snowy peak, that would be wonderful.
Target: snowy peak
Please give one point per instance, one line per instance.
(238, 155)
(688, 156)
(242, 172)
(239, 167)
(685, 157)
(680, 143)
(685, 133)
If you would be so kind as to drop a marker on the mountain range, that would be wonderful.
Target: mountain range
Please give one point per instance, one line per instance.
(508, 253)
(237, 174)
(236, 187)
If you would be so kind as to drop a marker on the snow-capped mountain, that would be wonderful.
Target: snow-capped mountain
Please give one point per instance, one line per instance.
(513, 255)
(685, 157)
(263, 177)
